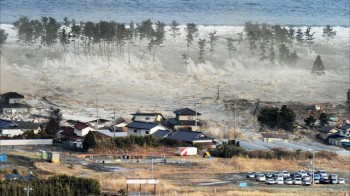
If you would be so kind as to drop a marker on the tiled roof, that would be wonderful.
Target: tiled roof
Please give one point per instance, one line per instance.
(174, 121)
(146, 114)
(345, 126)
(161, 133)
(189, 136)
(28, 125)
(12, 95)
(141, 125)
(80, 126)
(186, 111)
(325, 129)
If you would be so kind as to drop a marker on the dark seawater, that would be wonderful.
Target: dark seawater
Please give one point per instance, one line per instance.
(205, 12)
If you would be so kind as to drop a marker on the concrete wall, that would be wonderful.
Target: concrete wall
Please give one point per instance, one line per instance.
(24, 142)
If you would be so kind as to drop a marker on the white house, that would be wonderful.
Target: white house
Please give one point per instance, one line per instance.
(113, 134)
(148, 117)
(81, 129)
(142, 128)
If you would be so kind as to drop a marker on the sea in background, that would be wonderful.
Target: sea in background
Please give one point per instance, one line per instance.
(204, 12)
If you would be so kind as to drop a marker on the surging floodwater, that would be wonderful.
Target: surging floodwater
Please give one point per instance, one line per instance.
(205, 12)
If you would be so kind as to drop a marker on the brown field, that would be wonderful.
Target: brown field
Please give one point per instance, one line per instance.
(178, 179)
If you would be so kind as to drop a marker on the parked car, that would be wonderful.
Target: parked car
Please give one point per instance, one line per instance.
(307, 178)
(295, 175)
(268, 175)
(325, 181)
(341, 181)
(288, 181)
(306, 183)
(260, 177)
(297, 181)
(322, 172)
(302, 173)
(333, 176)
(279, 181)
(250, 175)
(270, 181)
(317, 178)
(279, 177)
(286, 174)
(334, 181)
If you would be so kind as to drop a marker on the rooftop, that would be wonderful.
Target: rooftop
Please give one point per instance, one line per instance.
(186, 111)
(189, 136)
(141, 125)
(161, 133)
(13, 95)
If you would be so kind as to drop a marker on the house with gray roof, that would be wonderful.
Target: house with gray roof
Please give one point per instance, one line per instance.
(193, 137)
(325, 131)
(143, 128)
(13, 103)
(185, 119)
(148, 117)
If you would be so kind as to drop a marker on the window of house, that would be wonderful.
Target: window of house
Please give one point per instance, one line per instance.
(135, 130)
(190, 118)
(147, 132)
(147, 118)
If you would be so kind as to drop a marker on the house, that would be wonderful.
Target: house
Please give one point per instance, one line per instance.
(274, 137)
(81, 129)
(344, 130)
(142, 128)
(112, 134)
(337, 140)
(148, 117)
(69, 139)
(29, 126)
(9, 128)
(192, 137)
(325, 131)
(185, 119)
(162, 133)
(13, 103)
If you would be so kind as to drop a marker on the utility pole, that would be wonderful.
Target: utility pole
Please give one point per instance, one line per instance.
(114, 123)
(218, 93)
(97, 121)
(195, 108)
(313, 168)
(235, 116)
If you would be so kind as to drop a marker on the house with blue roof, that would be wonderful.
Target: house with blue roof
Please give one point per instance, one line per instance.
(143, 128)
(13, 103)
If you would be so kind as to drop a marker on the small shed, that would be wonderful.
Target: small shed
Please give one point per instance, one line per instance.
(3, 158)
(186, 151)
(53, 157)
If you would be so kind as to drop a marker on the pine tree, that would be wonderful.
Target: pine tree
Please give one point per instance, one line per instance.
(174, 29)
(318, 67)
(89, 141)
(272, 53)
(323, 119)
(3, 36)
(252, 41)
(53, 125)
(328, 32)
(310, 121)
(283, 53)
(191, 32)
(299, 36)
(158, 36)
(213, 39)
(293, 57)
(230, 46)
(309, 37)
(201, 45)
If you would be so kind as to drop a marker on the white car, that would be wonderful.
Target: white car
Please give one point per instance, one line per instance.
(322, 173)
(270, 181)
(286, 174)
(302, 173)
(288, 181)
(260, 177)
(279, 181)
(341, 181)
(297, 181)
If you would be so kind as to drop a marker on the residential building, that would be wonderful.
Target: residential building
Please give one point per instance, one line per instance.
(338, 140)
(325, 131)
(162, 133)
(344, 130)
(192, 137)
(143, 129)
(185, 119)
(13, 103)
(81, 129)
(9, 128)
(148, 117)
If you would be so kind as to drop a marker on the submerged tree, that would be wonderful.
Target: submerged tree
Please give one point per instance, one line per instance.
(328, 32)
(213, 39)
(310, 121)
(252, 38)
(201, 45)
(230, 46)
(89, 141)
(3, 36)
(53, 125)
(309, 37)
(174, 29)
(323, 119)
(318, 67)
(191, 32)
(299, 36)
(158, 36)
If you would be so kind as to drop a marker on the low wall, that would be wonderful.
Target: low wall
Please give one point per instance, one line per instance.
(26, 142)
